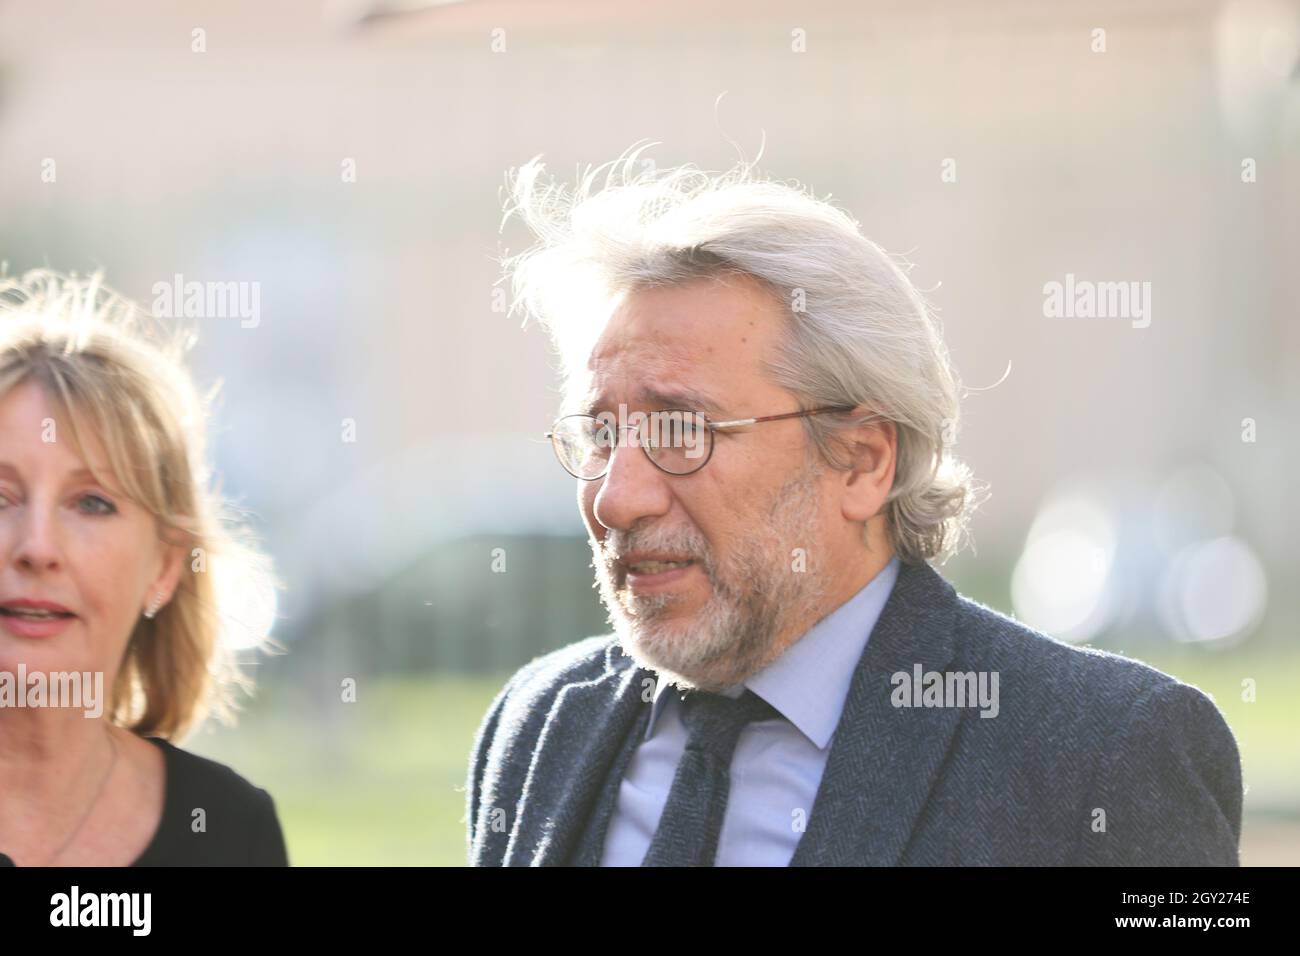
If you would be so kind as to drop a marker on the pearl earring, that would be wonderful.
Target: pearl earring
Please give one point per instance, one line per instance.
(154, 604)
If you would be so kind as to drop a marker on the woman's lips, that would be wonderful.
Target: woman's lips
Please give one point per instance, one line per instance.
(35, 627)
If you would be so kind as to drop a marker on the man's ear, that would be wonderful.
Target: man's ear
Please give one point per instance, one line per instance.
(872, 450)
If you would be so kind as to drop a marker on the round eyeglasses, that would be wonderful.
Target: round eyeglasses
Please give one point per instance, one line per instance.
(677, 441)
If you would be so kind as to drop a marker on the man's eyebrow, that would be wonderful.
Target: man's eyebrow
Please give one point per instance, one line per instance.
(685, 398)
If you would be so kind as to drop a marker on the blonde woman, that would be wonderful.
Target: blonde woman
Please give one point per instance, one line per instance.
(116, 565)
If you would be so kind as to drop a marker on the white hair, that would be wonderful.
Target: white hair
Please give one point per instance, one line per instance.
(859, 332)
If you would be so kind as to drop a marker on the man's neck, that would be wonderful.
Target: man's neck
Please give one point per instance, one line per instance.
(859, 571)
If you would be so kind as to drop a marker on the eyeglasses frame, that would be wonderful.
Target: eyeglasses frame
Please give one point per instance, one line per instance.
(711, 426)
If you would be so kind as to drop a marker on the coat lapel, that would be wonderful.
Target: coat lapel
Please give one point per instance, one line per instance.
(884, 759)
(587, 725)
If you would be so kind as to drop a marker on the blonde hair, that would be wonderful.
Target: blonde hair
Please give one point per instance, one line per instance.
(860, 332)
(119, 374)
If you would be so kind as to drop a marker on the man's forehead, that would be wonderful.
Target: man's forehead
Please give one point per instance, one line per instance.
(594, 398)
(697, 346)
(661, 374)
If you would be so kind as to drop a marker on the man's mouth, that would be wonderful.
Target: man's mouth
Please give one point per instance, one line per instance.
(651, 575)
(656, 567)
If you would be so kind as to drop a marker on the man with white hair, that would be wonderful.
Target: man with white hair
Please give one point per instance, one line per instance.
(759, 413)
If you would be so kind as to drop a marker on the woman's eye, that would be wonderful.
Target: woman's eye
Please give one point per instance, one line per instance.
(95, 505)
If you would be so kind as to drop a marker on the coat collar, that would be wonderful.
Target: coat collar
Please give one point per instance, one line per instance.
(882, 762)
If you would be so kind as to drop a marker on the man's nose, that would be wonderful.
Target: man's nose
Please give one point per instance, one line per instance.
(633, 487)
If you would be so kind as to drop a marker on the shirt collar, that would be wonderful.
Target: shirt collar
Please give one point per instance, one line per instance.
(808, 683)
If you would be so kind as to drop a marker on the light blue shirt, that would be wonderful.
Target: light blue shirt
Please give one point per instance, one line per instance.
(777, 766)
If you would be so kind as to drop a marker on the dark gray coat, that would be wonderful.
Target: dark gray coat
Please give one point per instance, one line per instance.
(1078, 731)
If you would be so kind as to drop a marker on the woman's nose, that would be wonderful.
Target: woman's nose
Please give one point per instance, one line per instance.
(36, 544)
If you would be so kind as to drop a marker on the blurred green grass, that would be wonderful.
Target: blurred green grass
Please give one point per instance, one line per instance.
(375, 782)
(380, 781)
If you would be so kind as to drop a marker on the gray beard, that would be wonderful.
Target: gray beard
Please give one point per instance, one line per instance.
(754, 599)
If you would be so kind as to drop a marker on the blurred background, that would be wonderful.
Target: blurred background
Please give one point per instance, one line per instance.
(381, 419)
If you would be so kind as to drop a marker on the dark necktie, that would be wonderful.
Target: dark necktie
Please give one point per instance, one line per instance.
(692, 817)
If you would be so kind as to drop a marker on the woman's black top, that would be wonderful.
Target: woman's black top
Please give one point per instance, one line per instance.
(237, 825)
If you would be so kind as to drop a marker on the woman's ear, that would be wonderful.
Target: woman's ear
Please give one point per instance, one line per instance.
(174, 551)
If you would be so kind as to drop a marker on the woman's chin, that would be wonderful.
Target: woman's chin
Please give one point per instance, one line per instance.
(39, 660)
